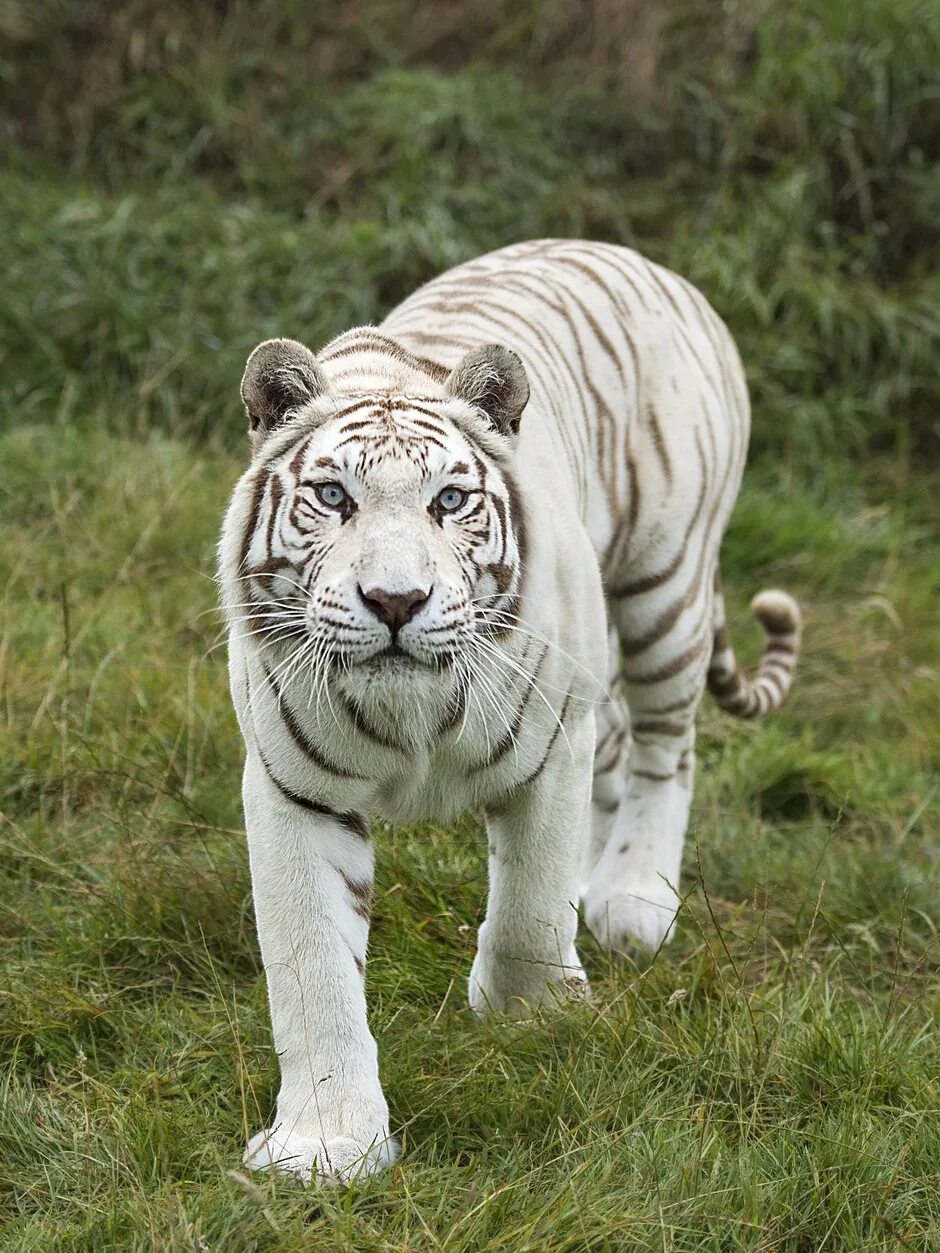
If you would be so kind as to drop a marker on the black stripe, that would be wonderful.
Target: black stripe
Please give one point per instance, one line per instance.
(776, 646)
(723, 686)
(298, 458)
(257, 496)
(277, 495)
(407, 405)
(361, 894)
(773, 678)
(608, 807)
(622, 542)
(359, 344)
(517, 522)
(774, 665)
(505, 615)
(563, 259)
(663, 287)
(662, 626)
(551, 744)
(483, 310)
(451, 341)
(674, 707)
(375, 341)
(366, 729)
(299, 735)
(659, 727)
(368, 400)
(659, 443)
(507, 741)
(455, 713)
(651, 581)
(671, 668)
(355, 823)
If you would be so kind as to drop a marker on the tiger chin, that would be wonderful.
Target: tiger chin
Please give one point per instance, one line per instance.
(473, 565)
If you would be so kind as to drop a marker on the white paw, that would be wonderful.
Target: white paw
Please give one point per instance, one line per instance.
(622, 919)
(334, 1160)
(519, 988)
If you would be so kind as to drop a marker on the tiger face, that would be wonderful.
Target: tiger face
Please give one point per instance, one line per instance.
(385, 528)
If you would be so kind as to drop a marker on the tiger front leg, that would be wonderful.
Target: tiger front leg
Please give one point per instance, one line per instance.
(312, 882)
(526, 956)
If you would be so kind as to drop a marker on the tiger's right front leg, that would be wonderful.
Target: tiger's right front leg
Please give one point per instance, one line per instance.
(312, 882)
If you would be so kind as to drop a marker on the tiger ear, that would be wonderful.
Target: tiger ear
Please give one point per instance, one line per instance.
(280, 376)
(492, 379)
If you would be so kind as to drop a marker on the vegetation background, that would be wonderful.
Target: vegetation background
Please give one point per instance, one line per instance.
(182, 180)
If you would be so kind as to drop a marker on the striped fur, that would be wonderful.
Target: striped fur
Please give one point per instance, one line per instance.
(434, 606)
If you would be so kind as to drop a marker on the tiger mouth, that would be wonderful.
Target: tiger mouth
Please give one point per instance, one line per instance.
(395, 655)
(392, 652)
(393, 658)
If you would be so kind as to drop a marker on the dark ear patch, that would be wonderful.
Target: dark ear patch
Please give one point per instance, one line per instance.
(281, 375)
(493, 379)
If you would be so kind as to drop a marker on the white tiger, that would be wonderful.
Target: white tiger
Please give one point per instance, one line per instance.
(467, 576)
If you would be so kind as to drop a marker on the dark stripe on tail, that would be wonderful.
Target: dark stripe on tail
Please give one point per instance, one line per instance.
(779, 615)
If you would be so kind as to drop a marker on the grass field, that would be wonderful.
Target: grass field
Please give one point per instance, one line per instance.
(184, 183)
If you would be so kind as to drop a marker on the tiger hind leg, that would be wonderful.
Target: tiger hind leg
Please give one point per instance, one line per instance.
(632, 894)
(610, 764)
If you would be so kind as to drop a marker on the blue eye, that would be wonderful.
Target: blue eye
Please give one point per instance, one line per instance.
(332, 495)
(450, 499)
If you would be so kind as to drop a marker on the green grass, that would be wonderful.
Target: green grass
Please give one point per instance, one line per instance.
(768, 1082)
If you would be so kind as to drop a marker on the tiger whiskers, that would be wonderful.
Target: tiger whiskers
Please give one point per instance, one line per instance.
(503, 710)
(471, 695)
(522, 627)
(321, 685)
(499, 695)
(267, 634)
(500, 658)
(463, 680)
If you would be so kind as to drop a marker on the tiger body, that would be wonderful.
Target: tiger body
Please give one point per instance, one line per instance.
(536, 652)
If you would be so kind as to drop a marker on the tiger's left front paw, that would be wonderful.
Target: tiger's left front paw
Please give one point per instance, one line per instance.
(519, 987)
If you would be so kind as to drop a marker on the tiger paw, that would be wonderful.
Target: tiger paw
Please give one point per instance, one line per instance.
(622, 919)
(330, 1161)
(521, 987)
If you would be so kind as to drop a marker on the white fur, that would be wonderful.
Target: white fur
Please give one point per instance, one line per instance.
(599, 496)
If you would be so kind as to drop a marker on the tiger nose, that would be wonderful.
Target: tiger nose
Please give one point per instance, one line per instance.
(394, 608)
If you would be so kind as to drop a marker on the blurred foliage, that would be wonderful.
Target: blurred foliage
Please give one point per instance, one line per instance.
(186, 179)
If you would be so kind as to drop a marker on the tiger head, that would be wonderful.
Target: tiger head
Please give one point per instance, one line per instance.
(383, 527)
